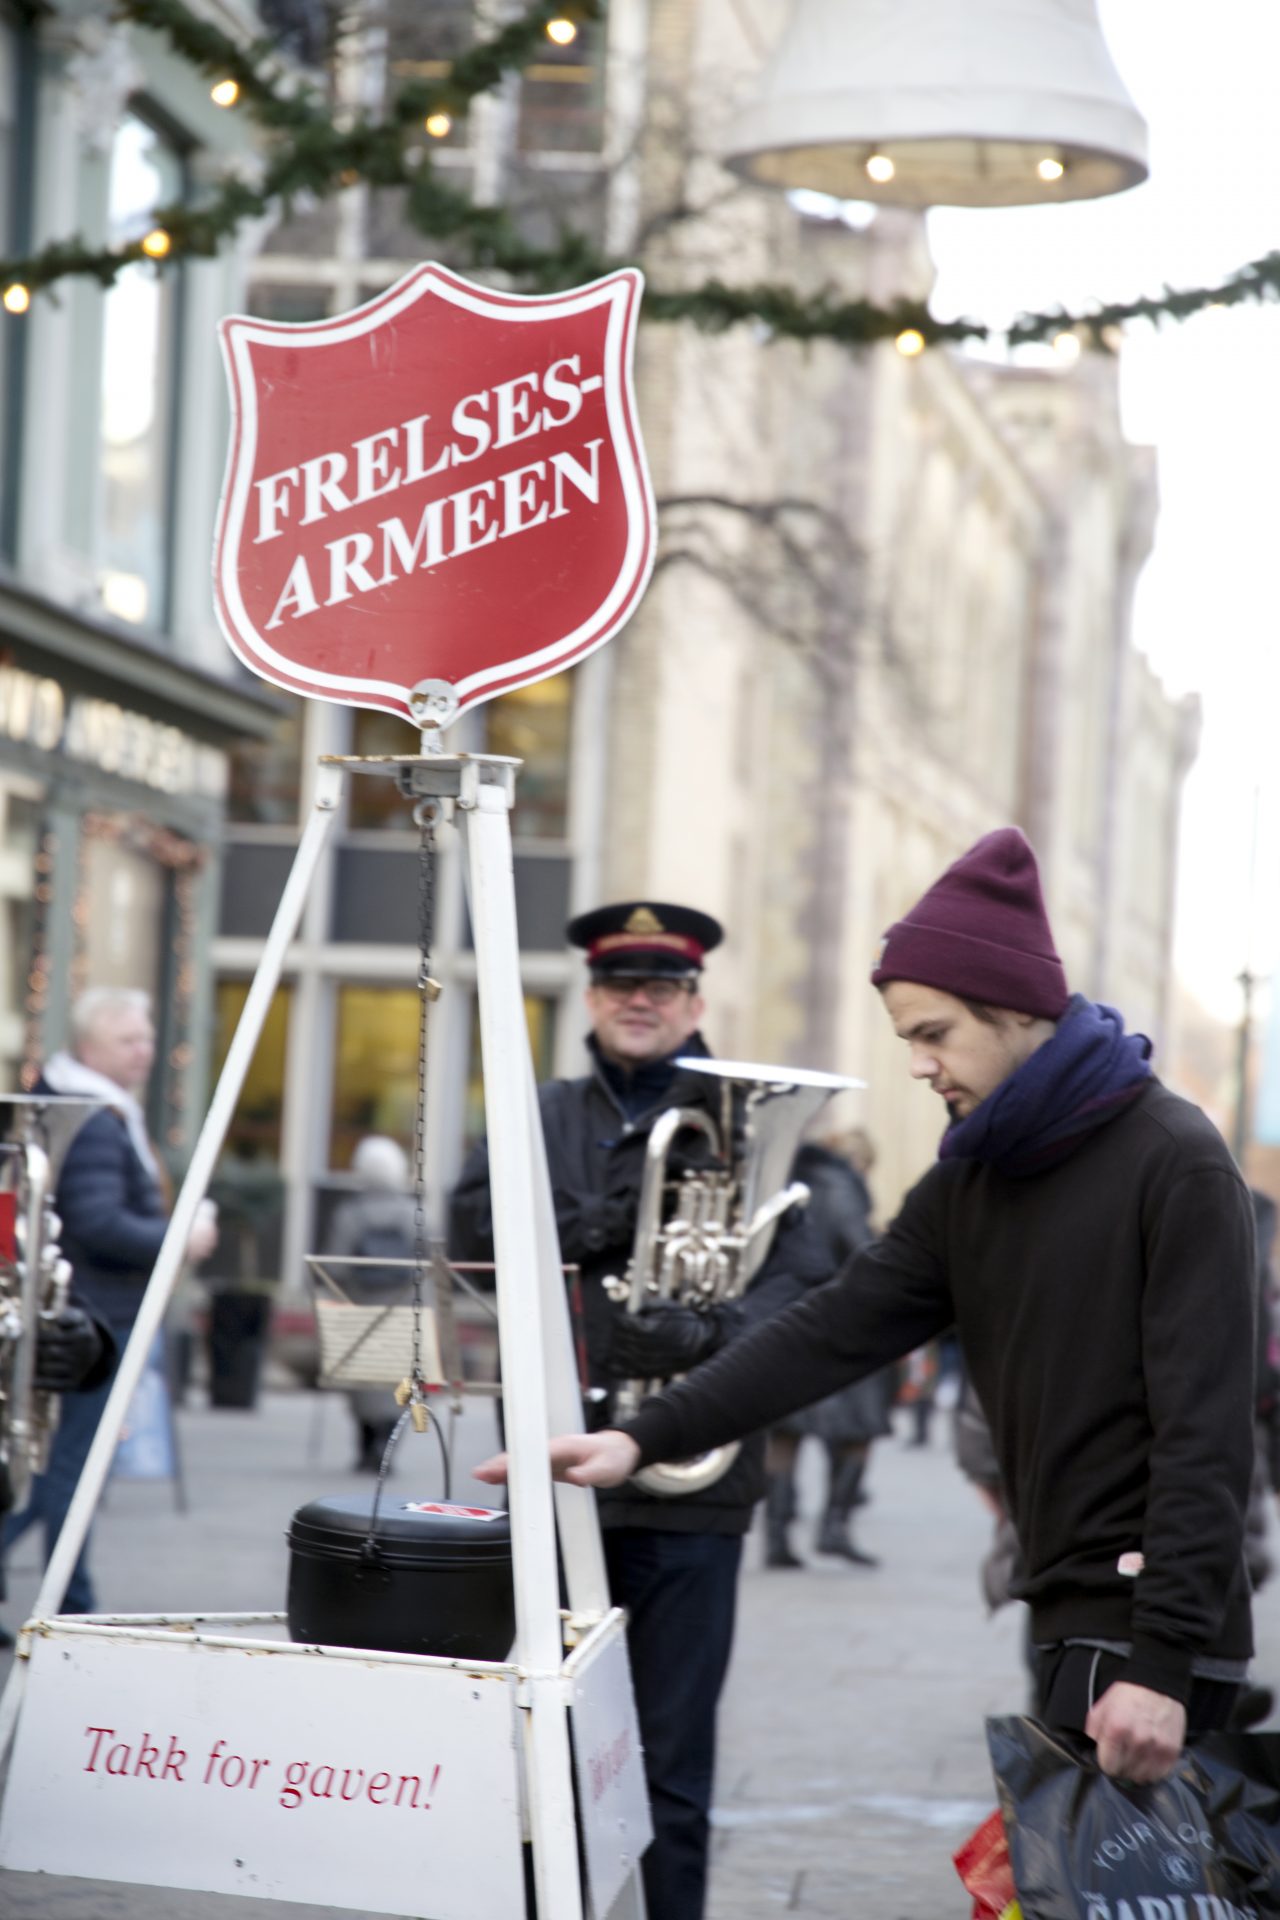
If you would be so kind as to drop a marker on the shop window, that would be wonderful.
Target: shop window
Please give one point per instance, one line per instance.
(283, 300)
(120, 915)
(138, 388)
(372, 801)
(308, 228)
(422, 44)
(135, 918)
(22, 985)
(562, 96)
(540, 1017)
(255, 1130)
(265, 778)
(534, 725)
(544, 201)
(375, 1074)
(16, 139)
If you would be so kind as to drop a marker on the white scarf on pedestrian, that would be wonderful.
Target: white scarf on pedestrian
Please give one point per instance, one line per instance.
(65, 1074)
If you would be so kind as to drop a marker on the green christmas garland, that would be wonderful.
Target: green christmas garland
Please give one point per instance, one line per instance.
(311, 151)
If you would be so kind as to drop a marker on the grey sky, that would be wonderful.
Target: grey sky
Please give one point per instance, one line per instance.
(1207, 394)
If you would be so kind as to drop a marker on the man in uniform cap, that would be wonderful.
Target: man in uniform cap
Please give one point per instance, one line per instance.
(1092, 1238)
(673, 1563)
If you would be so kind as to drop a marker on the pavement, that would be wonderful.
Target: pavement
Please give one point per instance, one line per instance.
(852, 1759)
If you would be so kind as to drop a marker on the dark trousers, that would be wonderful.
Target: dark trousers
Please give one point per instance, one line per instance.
(680, 1591)
(1070, 1679)
(51, 1491)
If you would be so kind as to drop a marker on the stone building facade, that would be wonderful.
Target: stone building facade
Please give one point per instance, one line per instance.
(890, 611)
(118, 709)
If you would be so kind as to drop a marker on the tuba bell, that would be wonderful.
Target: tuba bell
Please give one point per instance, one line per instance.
(701, 1240)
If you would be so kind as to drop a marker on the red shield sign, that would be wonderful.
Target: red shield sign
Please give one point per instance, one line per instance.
(444, 484)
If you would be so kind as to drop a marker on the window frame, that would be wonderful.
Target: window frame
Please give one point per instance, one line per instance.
(145, 108)
(16, 216)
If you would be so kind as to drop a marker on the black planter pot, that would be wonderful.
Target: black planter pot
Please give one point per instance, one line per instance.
(238, 1325)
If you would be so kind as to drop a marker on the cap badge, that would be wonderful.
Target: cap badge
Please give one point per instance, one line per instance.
(644, 920)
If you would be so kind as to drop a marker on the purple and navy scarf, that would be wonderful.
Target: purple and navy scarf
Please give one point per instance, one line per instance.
(1073, 1084)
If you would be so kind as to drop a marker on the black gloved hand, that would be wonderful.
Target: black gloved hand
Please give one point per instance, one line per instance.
(599, 1223)
(662, 1340)
(66, 1348)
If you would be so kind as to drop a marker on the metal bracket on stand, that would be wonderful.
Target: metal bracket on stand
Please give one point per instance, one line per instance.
(540, 1387)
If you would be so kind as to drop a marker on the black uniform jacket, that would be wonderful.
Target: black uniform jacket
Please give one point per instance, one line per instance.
(595, 1155)
(1106, 1310)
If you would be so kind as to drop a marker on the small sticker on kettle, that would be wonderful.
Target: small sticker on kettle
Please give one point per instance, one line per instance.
(451, 1512)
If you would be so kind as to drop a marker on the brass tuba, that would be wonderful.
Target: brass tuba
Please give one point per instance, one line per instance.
(720, 1223)
(35, 1278)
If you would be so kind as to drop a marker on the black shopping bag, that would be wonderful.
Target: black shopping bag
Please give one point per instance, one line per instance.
(1202, 1845)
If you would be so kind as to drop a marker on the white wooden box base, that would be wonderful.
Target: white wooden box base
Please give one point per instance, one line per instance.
(183, 1758)
(162, 1752)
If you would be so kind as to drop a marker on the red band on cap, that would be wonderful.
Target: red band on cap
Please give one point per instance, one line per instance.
(645, 943)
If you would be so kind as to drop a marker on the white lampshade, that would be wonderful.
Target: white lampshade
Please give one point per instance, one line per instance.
(967, 103)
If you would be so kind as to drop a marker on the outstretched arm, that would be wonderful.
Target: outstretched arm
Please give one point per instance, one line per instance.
(891, 1298)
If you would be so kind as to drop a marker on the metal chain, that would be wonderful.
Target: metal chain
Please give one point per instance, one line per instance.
(411, 1394)
(425, 814)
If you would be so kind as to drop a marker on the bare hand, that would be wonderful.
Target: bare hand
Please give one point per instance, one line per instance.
(203, 1237)
(583, 1459)
(1139, 1733)
(201, 1241)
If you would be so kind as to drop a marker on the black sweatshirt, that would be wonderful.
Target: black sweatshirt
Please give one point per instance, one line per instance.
(1106, 1311)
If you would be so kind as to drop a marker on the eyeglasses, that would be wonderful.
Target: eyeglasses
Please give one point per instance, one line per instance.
(659, 992)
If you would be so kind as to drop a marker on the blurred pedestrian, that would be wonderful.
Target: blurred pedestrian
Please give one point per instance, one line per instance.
(919, 1382)
(376, 1224)
(111, 1198)
(834, 1167)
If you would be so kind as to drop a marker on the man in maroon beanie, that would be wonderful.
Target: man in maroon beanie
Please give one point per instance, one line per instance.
(1092, 1239)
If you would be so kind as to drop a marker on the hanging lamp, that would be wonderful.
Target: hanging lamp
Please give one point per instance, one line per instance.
(918, 103)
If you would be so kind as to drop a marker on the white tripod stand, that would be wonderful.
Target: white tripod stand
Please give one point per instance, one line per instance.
(104, 1827)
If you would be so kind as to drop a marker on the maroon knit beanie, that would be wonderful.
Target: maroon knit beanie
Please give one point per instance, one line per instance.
(981, 933)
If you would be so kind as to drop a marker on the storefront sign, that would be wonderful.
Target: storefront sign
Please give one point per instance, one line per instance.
(35, 712)
(447, 483)
(382, 1785)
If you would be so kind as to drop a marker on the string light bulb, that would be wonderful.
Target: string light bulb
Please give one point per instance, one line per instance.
(438, 124)
(1067, 347)
(156, 243)
(910, 342)
(1050, 169)
(225, 93)
(17, 298)
(562, 32)
(880, 168)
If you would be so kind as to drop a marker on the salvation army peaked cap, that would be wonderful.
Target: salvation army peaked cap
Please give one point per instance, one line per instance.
(981, 933)
(639, 937)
